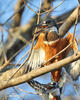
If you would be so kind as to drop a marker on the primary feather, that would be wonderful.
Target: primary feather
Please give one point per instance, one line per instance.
(36, 59)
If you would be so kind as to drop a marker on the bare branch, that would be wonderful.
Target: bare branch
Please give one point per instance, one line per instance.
(18, 15)
(35, 73)
(68, 23)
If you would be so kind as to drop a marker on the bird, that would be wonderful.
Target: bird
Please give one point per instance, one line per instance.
(48, 45)
(53, 90)
(46, 91)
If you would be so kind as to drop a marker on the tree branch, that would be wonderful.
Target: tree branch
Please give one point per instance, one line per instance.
(69, 22)
(17, 18)
(35, 73)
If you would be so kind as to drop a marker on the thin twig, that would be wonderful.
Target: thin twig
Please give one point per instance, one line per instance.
(18, 36)
(39, 13)
(25, 91)
(52, 8)
(73, 41)
(29, 7)
(13, 14)
(58, 53)
(12, 64)
(38, 18)
(22, 58)
(7, 63)
(75, 25)
(4, 95)
(17, 93)
(3, 48)
(32, 4)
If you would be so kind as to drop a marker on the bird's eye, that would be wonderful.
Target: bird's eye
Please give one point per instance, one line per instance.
(44, 22)
(48, 21)
(54, 83)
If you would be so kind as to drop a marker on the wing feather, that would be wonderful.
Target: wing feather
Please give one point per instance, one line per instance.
(36, 59)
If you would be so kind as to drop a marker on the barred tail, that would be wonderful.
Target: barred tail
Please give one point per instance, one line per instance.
(37, 86)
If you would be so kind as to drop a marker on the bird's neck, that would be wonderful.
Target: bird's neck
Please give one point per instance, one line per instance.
(53, 28)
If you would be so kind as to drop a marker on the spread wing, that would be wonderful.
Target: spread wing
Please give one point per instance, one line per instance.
(36, 59)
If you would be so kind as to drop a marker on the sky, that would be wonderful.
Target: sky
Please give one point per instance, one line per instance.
(6, 10)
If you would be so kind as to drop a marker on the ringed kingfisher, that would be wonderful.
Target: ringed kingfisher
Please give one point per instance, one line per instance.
(48, 45)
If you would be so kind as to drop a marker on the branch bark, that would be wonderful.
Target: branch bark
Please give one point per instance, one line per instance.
(69, 22)
(17, 18)
(35, 73)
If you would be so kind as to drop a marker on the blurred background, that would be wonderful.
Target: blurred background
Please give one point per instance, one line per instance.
(19, 22)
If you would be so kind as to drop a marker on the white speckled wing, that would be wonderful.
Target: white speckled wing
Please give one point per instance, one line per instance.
(36, 59)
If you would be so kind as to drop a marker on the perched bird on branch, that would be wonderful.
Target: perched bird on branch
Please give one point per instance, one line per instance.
(47, 46)
(54, 90)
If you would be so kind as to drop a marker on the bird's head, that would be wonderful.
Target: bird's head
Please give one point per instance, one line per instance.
(48, 24)
(50, 29)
